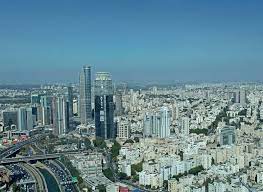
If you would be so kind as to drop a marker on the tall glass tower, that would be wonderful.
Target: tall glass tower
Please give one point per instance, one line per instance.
(85, 95)
(104, 106)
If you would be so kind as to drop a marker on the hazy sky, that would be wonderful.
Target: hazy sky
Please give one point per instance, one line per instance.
(139, 40)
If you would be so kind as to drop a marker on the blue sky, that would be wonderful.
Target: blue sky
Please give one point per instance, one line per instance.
(137, 40)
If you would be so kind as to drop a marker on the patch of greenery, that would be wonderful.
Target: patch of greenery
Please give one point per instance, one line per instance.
(199, 131)
(100, 143)
(73, 171)
(193, 171)
(109, 174)
(115, 150)
(136, 168)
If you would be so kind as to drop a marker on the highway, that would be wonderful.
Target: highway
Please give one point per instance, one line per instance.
(28, 158)
(41, 184)
(14, 148)
(22, 177)
(64, 179)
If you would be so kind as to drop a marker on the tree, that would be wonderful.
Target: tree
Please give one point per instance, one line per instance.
(196, 170)
(109, 174)
(99, 142)
(136, 168)
(115, 149)
(128, 141)
(199, 131)
(122, 176)
(87, 143)
(181, 154)
(101, 188)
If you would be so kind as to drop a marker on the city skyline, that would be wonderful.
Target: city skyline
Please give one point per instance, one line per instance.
(135, 41)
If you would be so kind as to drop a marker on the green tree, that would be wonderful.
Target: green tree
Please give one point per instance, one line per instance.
(100, 143)
(199, 131)
(115, 149)
(101, 188)
(136, 168)
(122, 176)
(109, 174)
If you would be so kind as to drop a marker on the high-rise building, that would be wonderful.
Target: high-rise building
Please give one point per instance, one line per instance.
(70, 101)
(60, 115)
(118, 104)
(46, 110)
(157, 124)
(227, 135)
(104, 106)
(29, 118)
(147, 125)
(123, 129)
(85, 95)
(165, 123)
(10, 118)
(240, 96)
(35, 100)
(25, 120)
(22, 119)
(243, 97)
(185, 125)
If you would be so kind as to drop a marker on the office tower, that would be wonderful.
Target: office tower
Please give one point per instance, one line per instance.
(147, 125)
(22, 119)
(25, 121)
(75, 107)
(242, 97)
(34, 116)
(29, 118)
(185, 125)
(118, 104)
(165, 122)
(123, 129)
(60, 115)
(45, 110)
(35, 100)
(10, 118)
(104, 106)
(237, 97)
(152, 124)
(70, 101)
(85, 95)
(227, 135)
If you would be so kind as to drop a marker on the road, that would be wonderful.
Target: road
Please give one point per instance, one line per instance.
(41, 184)
(14, 148)
(28, 158)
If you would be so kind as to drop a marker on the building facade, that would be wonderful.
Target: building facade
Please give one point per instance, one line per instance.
(85, 95)
(104, 106)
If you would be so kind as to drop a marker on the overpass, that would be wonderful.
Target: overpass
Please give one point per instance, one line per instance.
(28, 158)
(13, 149)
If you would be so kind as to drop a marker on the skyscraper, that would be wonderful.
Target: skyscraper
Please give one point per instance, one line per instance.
(118, 103)
(61, 117)
(104, 106)
(165, 123)
(45, 110)
(70, 101)
(157, 124)
(25, 120)
(10, 118)
(243, 97)
(85, 95)
(185, 125)
(22, 119)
